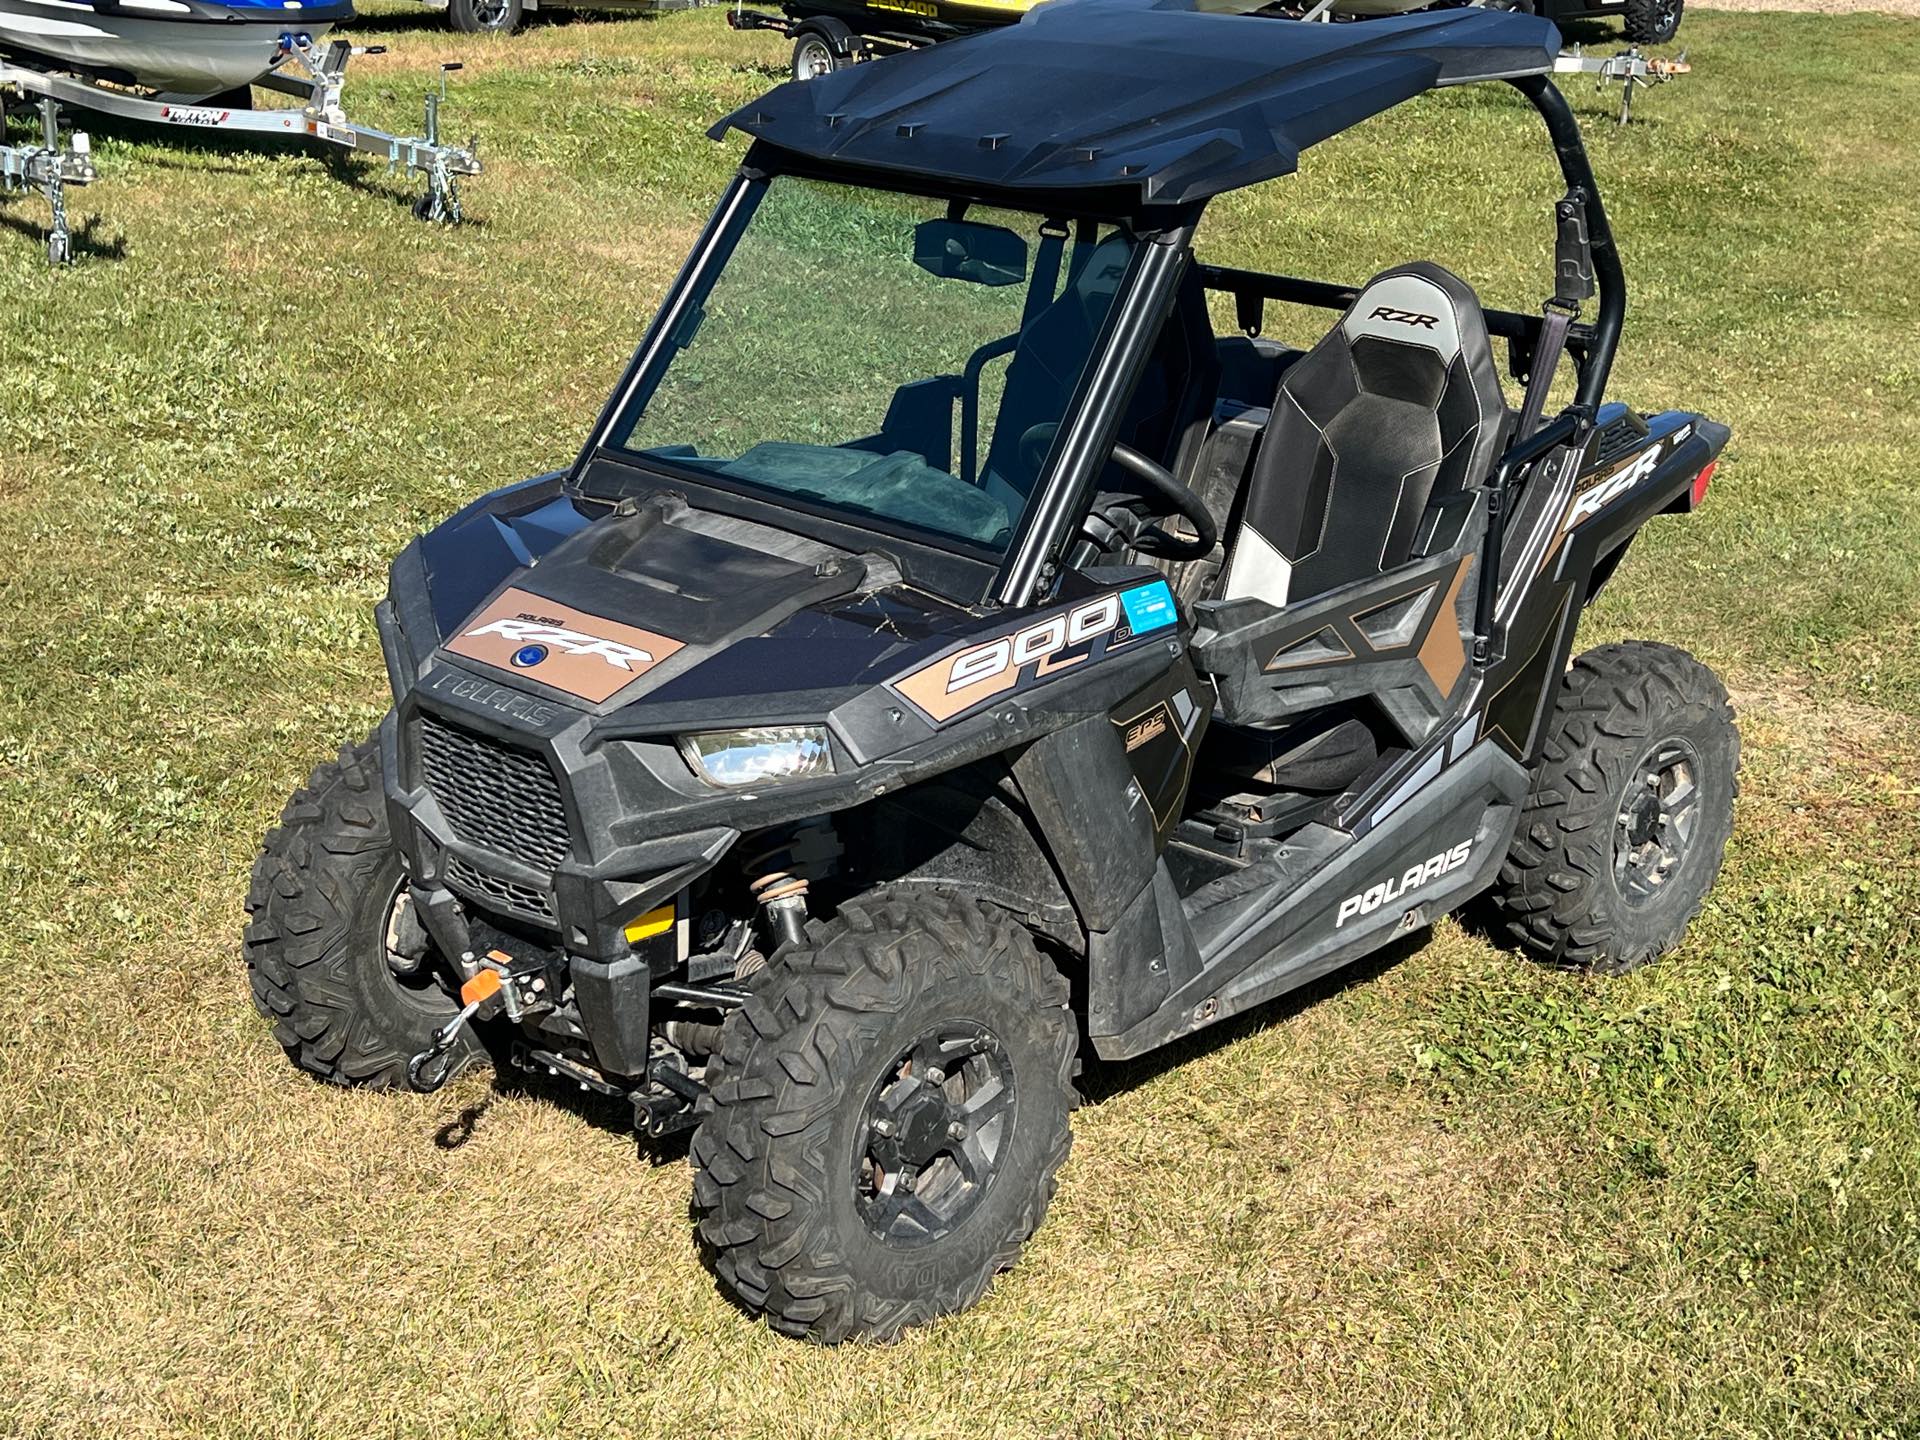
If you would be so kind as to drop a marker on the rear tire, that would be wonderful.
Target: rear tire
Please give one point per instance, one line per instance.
(485, 17)
(843, 1193)
(1629, 814)
(322, 912)
(1652, 22)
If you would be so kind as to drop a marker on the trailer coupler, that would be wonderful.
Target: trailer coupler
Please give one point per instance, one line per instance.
(1632, 70)
(741, 18)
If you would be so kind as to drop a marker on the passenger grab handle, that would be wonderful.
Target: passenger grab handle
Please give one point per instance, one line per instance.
(1569, 427)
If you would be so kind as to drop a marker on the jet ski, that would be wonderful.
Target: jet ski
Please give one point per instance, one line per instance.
(183, 49)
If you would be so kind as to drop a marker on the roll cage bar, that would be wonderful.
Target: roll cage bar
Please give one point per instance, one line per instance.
(1046, 529)
(1142, 305)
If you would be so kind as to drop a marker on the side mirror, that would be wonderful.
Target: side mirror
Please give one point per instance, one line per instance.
(969, 250)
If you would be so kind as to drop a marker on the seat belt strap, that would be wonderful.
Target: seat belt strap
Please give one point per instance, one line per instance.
(1555, 320)
(1046, 272)
(1573, 281)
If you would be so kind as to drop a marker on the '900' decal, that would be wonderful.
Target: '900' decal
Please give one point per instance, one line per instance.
(956, 683)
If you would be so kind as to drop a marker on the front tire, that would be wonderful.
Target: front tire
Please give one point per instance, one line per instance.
(1629, 814)
(888, 1115)
(349, 979)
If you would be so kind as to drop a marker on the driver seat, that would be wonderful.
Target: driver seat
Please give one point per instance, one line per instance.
(1378, 432)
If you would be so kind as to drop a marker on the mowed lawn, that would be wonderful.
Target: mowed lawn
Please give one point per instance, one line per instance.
(1456, 1196)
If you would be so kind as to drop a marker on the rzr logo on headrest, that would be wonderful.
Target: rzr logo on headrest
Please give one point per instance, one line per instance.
(1405, 317)
(534, 634)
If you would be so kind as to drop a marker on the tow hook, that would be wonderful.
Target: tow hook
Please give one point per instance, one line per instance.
(430, 1069)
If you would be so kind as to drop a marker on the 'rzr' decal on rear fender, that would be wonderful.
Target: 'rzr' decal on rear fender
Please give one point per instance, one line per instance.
(957, 683)
(1597, 494)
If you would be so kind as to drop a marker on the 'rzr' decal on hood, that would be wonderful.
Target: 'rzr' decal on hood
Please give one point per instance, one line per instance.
(584, 655)
(956, 683)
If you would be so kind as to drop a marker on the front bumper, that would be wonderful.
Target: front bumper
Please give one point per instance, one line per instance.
(508, 804)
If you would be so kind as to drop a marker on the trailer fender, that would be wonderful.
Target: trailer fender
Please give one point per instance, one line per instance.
(834, 32)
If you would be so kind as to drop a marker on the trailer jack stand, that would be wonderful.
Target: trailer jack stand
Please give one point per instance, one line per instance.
(325, 73)
(49, 167)
(440, 203)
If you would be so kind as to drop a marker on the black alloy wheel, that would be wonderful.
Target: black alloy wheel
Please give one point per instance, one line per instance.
(934, 1130)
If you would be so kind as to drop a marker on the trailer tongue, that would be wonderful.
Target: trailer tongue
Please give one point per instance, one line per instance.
(303, 68)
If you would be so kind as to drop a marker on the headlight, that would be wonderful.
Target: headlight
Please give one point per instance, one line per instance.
(752, 757)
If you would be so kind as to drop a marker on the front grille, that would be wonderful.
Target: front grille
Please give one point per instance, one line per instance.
(493, 795)
(498, 892)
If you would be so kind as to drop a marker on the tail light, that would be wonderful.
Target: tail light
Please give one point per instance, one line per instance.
(1704, 479)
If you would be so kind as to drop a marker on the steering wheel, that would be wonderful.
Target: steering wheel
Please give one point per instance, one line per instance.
(1147, 539)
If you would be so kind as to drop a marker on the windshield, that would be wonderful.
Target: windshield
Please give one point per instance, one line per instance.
(883, 356)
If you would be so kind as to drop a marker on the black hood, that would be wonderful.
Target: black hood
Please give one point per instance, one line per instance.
(697, 606)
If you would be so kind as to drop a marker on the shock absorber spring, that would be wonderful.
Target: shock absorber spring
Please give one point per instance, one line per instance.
(781, 869)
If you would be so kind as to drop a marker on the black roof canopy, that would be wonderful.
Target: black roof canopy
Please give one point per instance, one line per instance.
(1153, 98)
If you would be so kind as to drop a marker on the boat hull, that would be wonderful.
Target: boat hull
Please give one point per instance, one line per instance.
(182, 56)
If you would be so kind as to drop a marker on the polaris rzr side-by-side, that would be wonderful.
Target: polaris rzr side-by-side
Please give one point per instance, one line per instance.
(948, 652)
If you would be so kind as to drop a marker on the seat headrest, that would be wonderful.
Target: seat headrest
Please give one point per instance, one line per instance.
(1417, 304)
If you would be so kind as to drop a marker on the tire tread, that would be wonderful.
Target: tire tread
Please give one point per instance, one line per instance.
(1550, 898)
(312, 869)
(776, 1081)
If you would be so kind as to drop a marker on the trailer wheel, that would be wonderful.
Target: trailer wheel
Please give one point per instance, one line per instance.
(1652, 22)
(814, 56)
(484, 17)
(887, 1116)
(1628, 815)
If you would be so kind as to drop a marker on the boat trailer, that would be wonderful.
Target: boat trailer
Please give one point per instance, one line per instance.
(1633, 70)
(914, 23)
(313, 74)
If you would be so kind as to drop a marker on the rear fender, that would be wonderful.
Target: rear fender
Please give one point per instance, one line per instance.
(1611, 501)
(1579, 548)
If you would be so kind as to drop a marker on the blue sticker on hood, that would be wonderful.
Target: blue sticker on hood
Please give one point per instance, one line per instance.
(1149, 607)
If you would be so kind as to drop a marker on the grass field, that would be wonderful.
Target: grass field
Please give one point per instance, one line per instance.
(1456, 1196)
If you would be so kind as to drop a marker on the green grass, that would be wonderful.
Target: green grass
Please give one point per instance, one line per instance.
(1459, 1196)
